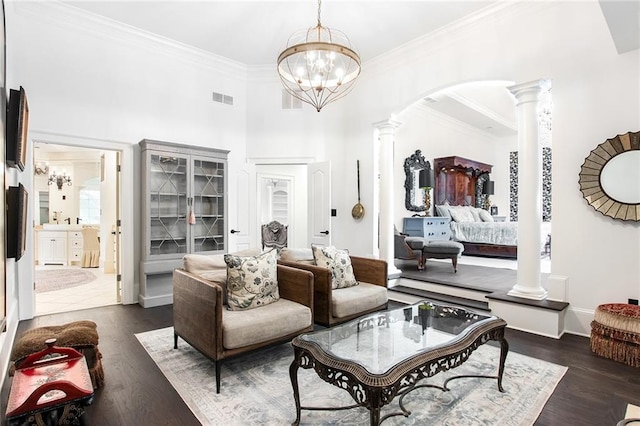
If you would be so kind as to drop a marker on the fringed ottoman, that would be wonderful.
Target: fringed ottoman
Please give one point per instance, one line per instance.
(79, 335)
(615, 333)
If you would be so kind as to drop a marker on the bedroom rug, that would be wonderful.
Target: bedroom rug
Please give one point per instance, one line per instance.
(256, 389)
(58, 279)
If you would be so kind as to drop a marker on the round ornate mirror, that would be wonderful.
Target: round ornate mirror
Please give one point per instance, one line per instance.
(414, 197)
(610, 177)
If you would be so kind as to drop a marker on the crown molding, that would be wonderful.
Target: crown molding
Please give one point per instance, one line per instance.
(262, 73)
(84, 22)
(442, 38)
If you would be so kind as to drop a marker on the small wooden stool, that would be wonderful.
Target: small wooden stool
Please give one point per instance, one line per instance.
(615, 333)
(50, 387)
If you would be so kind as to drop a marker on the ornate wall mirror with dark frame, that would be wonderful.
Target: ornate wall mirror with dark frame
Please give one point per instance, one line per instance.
(610, 177)
(414, 197)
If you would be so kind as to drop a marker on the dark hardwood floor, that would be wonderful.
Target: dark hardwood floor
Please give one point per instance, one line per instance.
(594, 391)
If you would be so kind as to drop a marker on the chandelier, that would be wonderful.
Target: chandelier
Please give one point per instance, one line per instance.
(59, 180)
(318, 65)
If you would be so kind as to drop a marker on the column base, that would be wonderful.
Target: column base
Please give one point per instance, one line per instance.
(536, 294)
(393, 272)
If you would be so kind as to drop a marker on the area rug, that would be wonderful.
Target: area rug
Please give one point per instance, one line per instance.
(58, 279)
(256, 389)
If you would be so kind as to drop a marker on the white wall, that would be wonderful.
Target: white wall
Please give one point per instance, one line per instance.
(93, 83)
(595, 94)
(438, 136)
(87, 80)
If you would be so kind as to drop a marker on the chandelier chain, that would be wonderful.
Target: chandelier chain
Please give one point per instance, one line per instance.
(319, 2)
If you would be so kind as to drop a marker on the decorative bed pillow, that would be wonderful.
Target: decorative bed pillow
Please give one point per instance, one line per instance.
(461, 214)
(485, 216)
(252, 281)
(338, 262)
(443, 210)
(475, 213)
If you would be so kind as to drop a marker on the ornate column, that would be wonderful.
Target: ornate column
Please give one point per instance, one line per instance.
(528, 100)
(386, 138)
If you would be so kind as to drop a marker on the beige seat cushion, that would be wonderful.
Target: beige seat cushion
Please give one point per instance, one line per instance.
(204, 265)
(243, 328)
(360, 298)
(302, 255)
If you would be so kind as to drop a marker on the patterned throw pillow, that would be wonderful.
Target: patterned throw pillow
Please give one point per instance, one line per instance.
(252, 281)
(338, 262)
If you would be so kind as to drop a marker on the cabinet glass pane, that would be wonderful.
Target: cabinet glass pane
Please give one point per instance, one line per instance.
(208, 205)
(167, 204)
(168, 236)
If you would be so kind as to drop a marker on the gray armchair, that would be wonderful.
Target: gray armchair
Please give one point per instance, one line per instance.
(421, 249)
(409, 248)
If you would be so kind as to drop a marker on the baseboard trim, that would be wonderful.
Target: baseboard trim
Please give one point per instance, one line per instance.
(152, 302)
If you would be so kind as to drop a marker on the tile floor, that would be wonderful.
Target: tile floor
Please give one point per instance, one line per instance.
(99, 292)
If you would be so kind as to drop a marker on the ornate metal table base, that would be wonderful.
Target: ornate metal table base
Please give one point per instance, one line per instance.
(381, 390)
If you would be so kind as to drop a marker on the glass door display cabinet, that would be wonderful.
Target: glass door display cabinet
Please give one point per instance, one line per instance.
(183, 193)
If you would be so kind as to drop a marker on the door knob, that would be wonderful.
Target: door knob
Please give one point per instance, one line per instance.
(233, 231)
(324, 232)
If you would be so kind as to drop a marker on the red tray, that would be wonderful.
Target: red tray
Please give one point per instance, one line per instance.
(48, 379)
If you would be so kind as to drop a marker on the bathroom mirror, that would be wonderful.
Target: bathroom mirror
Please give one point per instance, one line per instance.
(610, 177)
(413, 199)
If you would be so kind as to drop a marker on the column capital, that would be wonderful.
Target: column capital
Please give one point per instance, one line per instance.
(389, 124)
(531, 91)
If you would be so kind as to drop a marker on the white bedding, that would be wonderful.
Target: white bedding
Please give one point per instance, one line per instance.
(501, 233)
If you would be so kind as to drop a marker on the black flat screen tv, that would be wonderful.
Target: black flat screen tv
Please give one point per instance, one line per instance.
(17, 128)
(17, 198)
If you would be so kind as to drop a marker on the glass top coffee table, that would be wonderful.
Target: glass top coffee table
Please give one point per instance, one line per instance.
(383, 355)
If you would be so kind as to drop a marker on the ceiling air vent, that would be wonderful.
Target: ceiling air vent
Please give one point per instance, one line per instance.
(223, 99)
(289, 101)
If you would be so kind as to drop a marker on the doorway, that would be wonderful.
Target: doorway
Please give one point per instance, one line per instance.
(282, 196)
(76, 237)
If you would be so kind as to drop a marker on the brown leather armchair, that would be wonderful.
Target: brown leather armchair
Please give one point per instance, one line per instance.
(201, 319)
(335, 306)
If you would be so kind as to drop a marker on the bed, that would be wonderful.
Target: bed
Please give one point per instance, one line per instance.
(481, 236)
(458, 194)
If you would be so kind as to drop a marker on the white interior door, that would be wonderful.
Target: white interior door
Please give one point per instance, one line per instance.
(319, 182)
(116, 232)
(243, 215)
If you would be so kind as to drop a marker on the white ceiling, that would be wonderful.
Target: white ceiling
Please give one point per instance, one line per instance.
(254, 32)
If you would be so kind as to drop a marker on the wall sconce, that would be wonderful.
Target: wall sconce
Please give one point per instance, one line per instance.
(488, 189)
(59, 180)
(425, 181)
(41, 169)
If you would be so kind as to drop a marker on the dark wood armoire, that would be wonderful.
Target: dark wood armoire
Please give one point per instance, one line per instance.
(457, 180)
